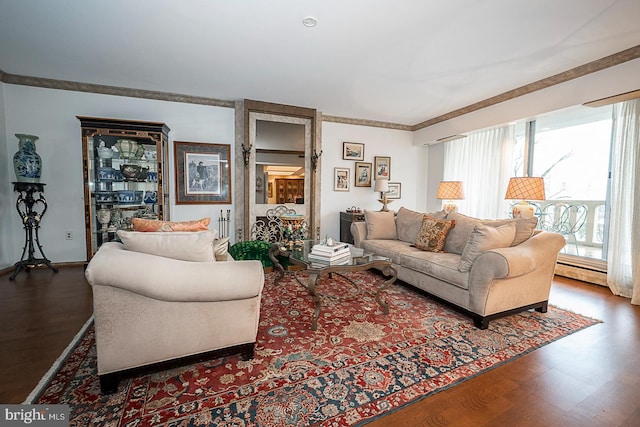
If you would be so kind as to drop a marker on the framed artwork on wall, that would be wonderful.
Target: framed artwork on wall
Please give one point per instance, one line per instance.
(395, 190)
(203, 173)
(363, 174)
(382, 167)
(352, 151)
(341, 179)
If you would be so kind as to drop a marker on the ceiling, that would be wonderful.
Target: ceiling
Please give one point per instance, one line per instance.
(395, 61)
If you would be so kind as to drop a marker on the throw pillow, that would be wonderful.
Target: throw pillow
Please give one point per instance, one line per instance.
(186, 246)
(408, 223)
(483, 238)
(524, 227)
(433, 234)
(220, 248)
(380, 225)
(459, 236)
(142, 224)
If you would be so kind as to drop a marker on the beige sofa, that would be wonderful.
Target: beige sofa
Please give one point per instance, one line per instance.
(150, 310)
(500, 280)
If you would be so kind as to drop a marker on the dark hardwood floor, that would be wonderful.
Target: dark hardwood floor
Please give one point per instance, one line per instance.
(591, 378)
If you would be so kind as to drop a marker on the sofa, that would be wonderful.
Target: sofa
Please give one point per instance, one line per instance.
(484, 268)
(162, 299)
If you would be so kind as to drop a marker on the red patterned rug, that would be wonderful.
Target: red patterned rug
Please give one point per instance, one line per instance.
(358, 365)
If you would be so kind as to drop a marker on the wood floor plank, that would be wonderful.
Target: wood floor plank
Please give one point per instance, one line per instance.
(589, 379)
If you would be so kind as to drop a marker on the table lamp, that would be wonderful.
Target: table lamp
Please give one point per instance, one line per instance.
(525, 188)
(382, 186)
(450, 191)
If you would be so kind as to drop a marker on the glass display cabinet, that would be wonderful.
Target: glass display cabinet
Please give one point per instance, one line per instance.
(124, 176)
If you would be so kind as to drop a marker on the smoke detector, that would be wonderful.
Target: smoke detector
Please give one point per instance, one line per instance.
(310, 22)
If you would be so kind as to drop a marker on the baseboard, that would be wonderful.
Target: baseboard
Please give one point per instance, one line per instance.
(582, 273)
(68, 264)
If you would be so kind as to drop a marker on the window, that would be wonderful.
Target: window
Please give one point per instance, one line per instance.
(570, 151)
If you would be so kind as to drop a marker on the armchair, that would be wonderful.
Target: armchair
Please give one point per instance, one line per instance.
(152, 312)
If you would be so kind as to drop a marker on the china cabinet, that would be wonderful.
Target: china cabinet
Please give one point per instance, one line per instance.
(289, 190)
(124, 176)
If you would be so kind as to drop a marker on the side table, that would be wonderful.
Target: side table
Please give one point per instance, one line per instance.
(346, 218)
(26, 205)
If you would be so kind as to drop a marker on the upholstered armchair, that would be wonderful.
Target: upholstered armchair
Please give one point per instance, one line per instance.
(152, 311)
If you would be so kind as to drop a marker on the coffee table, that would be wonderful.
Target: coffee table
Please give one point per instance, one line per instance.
(357, 261)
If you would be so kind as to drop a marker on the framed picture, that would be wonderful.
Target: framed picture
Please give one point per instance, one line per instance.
(341, 179)
(395, 190)
(363, 174)
(382, 167)
(352, 151)
(203, 173)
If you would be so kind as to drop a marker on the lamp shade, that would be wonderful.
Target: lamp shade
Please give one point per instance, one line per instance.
(381, 186)
(450, 190)
(525, 188)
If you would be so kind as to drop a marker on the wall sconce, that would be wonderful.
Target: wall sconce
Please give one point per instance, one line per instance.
(246, 154)
(382, 186)
(450, 191)
(525, 188)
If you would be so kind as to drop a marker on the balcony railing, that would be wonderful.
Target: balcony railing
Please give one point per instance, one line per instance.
(580, 221)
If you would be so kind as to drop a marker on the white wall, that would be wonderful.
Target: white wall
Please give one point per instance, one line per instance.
(435, 169)
(408, 166)
(51, 115)
(611, 81)
(6, 191)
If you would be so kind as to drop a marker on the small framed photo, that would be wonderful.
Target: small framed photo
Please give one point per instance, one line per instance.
(352, 151)
(203, 173)
(363, 174)
(382, 167)
(395, 190)
(341, 179)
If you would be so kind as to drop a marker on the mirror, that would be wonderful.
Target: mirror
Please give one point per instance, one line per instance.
(280, 168)
(276, 146)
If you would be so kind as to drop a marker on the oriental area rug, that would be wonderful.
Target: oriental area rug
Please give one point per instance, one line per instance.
(358, 365)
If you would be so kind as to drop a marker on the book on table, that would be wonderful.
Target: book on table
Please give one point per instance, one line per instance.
(329, 255)
(337, 247)
(317, 261)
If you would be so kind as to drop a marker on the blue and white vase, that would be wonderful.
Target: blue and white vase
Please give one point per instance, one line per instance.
(26, 161)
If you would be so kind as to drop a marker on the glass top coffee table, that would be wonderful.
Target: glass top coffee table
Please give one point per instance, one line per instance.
(357, 260)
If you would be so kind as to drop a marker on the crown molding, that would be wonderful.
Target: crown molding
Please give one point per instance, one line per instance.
(364, 122)
(565, 76)
(574, 73)
(111, 90)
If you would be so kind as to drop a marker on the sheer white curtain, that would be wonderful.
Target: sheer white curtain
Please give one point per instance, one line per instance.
(482, 161)
(623, 276)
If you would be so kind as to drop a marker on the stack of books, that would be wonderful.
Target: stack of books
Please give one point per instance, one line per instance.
(330, 254)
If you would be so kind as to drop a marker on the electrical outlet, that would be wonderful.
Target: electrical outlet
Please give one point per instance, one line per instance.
(68, 235)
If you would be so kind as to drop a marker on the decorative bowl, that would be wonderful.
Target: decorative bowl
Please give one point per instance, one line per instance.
(134, 172)
(129, 149)
(129, 196)
(151, 197)
(150, 155)
(104, 152)
(106, 174)
(105, 196)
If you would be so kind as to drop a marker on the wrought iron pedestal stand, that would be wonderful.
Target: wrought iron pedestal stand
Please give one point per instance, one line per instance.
(31, 222)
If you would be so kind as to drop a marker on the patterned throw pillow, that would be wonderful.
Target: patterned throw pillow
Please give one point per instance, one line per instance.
(433, 233)
(142, 224)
